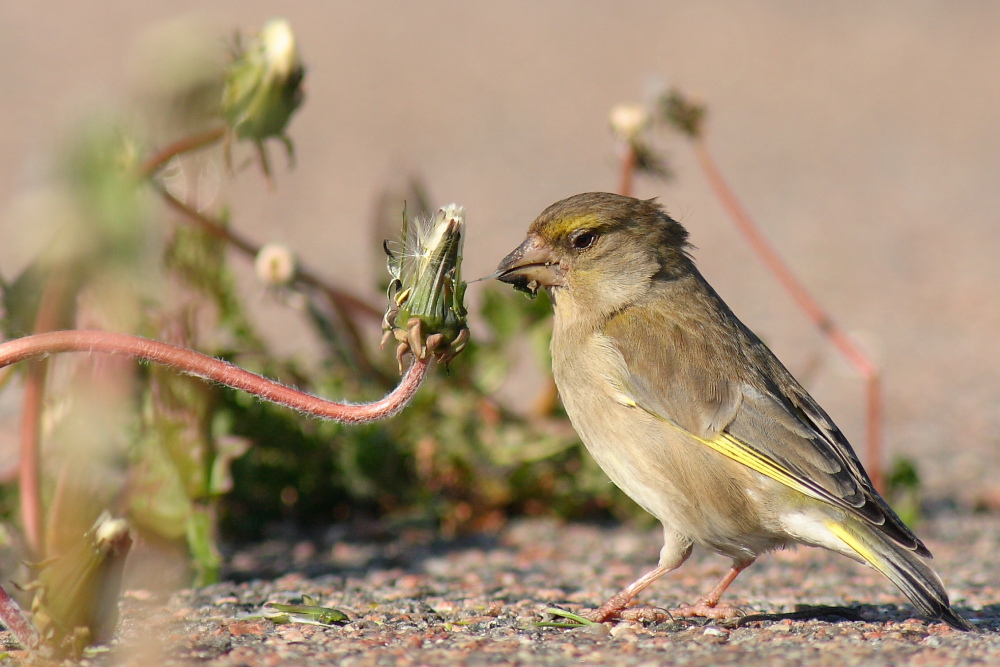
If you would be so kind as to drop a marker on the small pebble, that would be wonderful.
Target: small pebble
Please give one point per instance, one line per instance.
(596, 630)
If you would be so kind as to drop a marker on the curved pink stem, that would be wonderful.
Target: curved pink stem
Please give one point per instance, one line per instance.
(210, 368)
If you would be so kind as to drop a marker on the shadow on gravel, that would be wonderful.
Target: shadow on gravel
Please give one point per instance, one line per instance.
(347, 549)
(986, 619)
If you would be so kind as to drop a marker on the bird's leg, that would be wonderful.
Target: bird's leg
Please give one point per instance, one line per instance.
(676, 549)
(614, 608)
(708, 606)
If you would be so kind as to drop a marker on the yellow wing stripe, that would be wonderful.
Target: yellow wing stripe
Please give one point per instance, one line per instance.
(736, 450)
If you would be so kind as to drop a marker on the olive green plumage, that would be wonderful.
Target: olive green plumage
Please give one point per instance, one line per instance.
(689, 412)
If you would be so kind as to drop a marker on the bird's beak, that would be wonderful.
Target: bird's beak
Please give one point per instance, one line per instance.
(530, 266)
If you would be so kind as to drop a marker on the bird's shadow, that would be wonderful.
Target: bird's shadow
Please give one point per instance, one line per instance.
(830, 614)
(986, 619)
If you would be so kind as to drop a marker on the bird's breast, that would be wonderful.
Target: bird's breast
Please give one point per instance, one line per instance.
(686, 485)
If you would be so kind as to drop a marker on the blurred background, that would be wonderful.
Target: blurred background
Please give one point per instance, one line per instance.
(862, 137)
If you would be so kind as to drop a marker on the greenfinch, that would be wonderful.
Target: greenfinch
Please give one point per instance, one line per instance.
(691, 415)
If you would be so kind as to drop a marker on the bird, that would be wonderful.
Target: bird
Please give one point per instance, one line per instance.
(692, 415)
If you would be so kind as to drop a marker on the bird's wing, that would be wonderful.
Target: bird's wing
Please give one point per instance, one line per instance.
(731, 394)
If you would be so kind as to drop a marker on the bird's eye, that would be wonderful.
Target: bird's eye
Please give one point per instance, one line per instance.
(584, 240)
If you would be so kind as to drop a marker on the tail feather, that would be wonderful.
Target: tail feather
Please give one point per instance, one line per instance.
(905, 569)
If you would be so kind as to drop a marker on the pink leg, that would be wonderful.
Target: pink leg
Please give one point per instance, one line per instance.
(614, 608)
(708, 606)
(676, 549)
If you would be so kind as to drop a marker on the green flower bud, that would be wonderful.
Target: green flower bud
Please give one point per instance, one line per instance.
(426, 312)
(263, 84)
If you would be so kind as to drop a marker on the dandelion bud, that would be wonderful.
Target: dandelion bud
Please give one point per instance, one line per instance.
(628, 120)
(263, 84)
(426, 311)
(275, 265)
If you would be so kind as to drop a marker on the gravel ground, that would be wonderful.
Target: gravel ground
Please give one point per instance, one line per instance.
(415, 599)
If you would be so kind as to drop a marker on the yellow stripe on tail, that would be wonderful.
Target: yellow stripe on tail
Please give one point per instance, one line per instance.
(851, 540)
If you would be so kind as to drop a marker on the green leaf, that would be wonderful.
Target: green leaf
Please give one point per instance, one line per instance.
(572, 620)
(201, 538)
(309, 613)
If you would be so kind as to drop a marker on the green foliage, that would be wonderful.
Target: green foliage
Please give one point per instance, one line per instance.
(309, 612)
(903, 489)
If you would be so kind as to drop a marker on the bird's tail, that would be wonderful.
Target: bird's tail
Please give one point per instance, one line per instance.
(904, 568)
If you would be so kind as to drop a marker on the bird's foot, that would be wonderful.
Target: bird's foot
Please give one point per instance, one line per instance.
(705, 609)
(608, 613)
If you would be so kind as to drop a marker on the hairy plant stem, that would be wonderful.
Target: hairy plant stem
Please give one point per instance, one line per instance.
(210, 368)
(813, 310)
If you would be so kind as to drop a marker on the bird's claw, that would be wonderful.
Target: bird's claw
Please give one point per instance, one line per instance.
(703, 609)
(641, 614)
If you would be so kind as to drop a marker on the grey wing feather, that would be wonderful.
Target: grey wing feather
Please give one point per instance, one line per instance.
(822, 455)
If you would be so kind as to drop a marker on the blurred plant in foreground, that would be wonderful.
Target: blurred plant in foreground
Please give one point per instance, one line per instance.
(144, 444)
(76, 593)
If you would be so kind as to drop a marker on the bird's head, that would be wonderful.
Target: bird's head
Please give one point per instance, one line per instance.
(597, 249)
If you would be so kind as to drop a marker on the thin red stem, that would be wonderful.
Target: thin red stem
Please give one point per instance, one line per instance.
(30, 473)
(195, 142)
(843, 342)
(209, 368)
(49, 317)
(213, 227)
(627, 169)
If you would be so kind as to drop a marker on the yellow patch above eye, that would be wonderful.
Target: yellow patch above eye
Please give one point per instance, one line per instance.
(566, 226)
